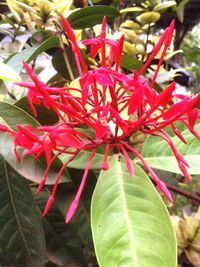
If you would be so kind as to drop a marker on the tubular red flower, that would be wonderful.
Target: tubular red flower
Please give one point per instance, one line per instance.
(111, 106)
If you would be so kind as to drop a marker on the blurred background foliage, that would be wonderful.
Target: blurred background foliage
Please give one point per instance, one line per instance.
(30, 30)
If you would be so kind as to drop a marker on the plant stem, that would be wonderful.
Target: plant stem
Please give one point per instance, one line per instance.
(182, 192)
(71, 76)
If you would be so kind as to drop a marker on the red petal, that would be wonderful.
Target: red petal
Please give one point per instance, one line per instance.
(68, 29)
(68, 140)
(103, 79)
(184, 171)
(179, 134)
(150, 94)
(192, 117)
(101, 128)
(47, 150)
(169, 34)
(165, 96)
(176, 109)
(157, 47)
(135, 100)
(35, 149)
(85, 83)
(94, 49)
(24, 141)
(4, 128)
(48, 205)
(103, 28)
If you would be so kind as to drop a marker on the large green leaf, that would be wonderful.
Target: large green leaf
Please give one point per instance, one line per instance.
(159, 155)
(62, 244)
(28, 167)
(22, 240)
(130, 223)
(31, 53)
(90, 16)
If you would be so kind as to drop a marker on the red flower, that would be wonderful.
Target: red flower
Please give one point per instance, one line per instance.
(112, 105)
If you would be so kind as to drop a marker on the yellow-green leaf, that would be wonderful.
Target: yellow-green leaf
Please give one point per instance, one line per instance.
(164, 5)
(148, 17)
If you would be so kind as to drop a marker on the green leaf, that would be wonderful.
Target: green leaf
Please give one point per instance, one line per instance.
(131, 9)
(63, 246)
(81, 219)
(159, 155)
(22, 240)
(59, 64)
(29, 168)
(40, 36)
(13, 115)
(9, 74)
(130, 223)
(163, 6)
(130, 63)
(44, 116)
(31, 53)
(148, 17)
(90, 16)
(80, 161)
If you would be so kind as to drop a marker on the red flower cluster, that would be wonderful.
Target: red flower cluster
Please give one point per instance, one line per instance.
(111, 104)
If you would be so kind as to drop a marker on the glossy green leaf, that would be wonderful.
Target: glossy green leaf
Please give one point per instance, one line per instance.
(31, 53)
(9, 74)
(130, 223)
(148, 17)
(164, 5)
(90, 16)
(29, 168)
(62, 244)
(22, 240)
(159, 155)
(44, 116)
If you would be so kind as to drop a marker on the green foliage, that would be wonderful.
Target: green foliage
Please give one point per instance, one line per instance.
(159, 155)
(63, 247)
(8, 73)
(81, 159)
(127, 215)
(90, 16)
(130, 223)
(31, 53)
(191, 59)
(22, 240)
